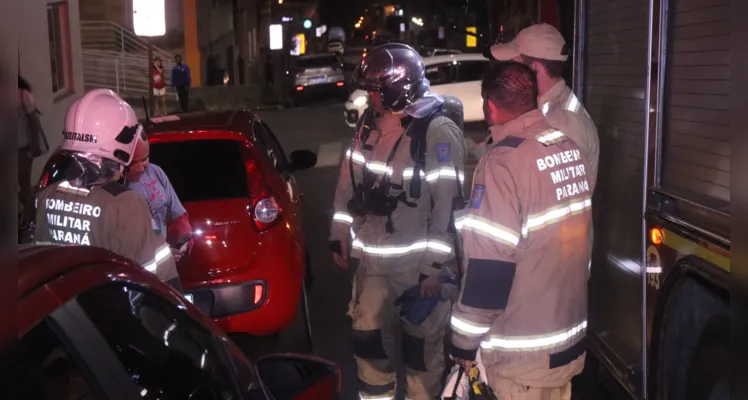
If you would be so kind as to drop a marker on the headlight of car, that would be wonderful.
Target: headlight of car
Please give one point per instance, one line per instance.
(360, 101)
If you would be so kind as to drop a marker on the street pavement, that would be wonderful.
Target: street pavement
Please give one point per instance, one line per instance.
(321, 128)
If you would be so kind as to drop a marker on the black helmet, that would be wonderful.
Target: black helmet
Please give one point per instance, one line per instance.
(395, 70)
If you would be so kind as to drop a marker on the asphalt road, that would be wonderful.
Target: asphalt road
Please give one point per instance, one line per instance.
(320, 127)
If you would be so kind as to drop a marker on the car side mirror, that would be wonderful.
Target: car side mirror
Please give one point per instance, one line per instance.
(302, 159)
(295, 376)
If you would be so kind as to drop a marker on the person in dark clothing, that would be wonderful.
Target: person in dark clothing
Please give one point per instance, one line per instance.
(32, 143)
(181, 80)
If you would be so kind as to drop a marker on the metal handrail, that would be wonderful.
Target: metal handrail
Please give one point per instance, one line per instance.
(128, 75)
(114, 57)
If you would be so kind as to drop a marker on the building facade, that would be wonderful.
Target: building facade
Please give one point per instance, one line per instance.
(233, 35)
(49, 58)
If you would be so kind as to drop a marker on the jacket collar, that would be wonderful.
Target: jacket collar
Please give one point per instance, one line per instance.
(553, 94)
(515, 126)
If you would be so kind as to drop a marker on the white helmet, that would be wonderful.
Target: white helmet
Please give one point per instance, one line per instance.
(102, 124)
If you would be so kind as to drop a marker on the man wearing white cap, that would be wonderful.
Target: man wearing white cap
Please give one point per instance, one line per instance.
(542, 48)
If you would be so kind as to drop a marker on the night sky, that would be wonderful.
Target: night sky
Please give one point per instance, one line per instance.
(343, 13)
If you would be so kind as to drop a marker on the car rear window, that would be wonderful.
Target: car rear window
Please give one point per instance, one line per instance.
(211, 169)
(317, 62)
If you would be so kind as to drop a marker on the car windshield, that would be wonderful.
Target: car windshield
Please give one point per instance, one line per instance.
(210, 169)
(317, 62)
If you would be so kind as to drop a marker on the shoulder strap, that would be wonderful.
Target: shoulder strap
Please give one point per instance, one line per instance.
(510, 141)
(418, 131)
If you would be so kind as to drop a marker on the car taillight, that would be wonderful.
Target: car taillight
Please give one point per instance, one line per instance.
(266, 210)
(263, 207)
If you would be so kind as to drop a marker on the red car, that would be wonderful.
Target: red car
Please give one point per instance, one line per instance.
(93, 325)
(248, 264)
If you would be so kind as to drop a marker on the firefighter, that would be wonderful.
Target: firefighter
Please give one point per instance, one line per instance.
(542, 48)
(89, 207)
(398, 185)
(523, 300)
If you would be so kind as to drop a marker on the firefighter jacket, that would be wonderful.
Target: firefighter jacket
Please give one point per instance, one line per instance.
(523, 300)
(421, 234)
(109, 216)
(566, 113)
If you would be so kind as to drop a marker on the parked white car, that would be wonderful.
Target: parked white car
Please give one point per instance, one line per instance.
(458, 75)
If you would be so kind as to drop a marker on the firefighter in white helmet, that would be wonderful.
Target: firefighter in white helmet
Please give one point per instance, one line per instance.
(397, 189)
(86, 205)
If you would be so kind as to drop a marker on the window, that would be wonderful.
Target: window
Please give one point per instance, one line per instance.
(167, 354)
(440, 74)
(199, 170)
(318, 61)
(268, 141)
(470, 71)
(58, 27)
(46, 370)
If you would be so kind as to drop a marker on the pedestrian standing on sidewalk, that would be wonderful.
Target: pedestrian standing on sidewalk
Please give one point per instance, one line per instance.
(159, 87)
(181, 80)
(32, 143)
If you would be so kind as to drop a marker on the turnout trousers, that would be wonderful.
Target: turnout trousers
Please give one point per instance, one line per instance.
(375, 324)
(507, 389)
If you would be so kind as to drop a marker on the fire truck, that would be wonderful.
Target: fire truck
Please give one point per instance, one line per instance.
(660, 79)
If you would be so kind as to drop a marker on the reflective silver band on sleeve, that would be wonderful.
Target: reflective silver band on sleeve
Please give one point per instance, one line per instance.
(488, 229)
(163, 253)
(468, 328)
(344, 217)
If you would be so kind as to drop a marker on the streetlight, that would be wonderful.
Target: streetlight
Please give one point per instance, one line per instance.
(149, 19)
(307, 23)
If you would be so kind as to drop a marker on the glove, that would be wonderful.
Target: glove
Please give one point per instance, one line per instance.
(415, 309)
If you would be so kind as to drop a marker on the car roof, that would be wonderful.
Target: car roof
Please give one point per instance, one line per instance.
(428, 61)
(40, 264)
(235, 121)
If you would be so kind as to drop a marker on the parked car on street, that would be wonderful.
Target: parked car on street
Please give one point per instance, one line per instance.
(93, 325)
(433, 51)
(458, 75)
(249, 264)
(318, 75)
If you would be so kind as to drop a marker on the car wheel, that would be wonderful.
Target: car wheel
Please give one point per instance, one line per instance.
(709, 372)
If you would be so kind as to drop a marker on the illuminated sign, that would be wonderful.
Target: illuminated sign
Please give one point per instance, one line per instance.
(299, 45)
(471, 40)
(148, 17)
(276, 37)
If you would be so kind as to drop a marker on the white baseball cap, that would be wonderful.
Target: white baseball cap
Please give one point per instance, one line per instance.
(539, 41)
